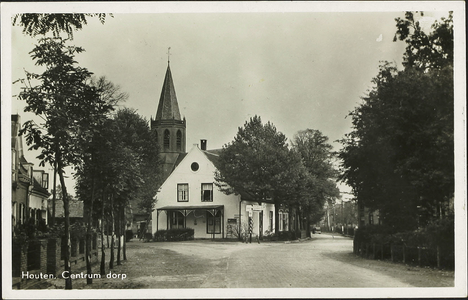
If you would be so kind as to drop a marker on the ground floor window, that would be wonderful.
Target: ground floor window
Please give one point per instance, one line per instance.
(213, 222)
(283, 218)
(176, 219)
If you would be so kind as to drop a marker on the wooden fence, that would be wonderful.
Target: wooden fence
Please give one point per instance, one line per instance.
(421, 256)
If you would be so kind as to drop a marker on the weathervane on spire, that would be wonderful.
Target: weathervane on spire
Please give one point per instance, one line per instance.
(168, 54)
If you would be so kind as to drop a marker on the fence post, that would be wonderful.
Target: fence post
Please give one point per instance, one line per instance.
(419, 256)
(373, 250)
(438, 257)
(391, 252)
(404, 254)
(381, 251)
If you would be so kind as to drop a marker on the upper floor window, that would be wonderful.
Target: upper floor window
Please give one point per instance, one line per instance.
(45, 180)
(182, 192)
(207, 192)
(179, 140)
(167, 139)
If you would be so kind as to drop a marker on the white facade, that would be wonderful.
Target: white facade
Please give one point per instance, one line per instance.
(190, 199)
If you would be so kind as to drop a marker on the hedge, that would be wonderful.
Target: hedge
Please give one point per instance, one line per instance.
(179, 234)
(439, 234)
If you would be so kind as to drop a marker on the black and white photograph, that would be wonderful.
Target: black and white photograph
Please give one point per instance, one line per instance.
(234, 150)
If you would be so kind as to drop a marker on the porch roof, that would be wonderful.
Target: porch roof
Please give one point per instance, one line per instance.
(190, 207)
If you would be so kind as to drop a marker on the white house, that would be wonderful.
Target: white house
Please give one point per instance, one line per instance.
(190, 199)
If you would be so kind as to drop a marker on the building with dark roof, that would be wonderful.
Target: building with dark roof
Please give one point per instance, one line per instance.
(188, 198)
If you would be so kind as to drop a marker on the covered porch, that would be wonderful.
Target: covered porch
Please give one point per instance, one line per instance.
(207, 221)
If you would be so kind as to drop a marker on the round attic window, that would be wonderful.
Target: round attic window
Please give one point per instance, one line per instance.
(195, 166)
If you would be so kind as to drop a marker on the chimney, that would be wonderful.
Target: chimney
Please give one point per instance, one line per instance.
(203, 144)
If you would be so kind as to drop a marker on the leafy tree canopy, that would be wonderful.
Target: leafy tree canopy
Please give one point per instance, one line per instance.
(41, 24)
(258, 161)
(399, 156)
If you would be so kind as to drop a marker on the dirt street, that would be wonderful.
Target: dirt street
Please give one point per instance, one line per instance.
(325, 261)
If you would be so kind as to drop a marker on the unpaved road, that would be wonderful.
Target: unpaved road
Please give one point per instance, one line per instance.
(325, 261)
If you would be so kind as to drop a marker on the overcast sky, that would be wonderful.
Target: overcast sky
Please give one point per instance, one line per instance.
(298, 70)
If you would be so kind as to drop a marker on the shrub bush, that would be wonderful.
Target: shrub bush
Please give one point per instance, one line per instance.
(286, 236)
(148, 237)
(179, 234)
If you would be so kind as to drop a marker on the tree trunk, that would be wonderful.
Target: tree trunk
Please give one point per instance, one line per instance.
(111, 261)
(89, 219)
(124, 249)
(119, 236)
(66, 208)
(103, 252)
(52, 219)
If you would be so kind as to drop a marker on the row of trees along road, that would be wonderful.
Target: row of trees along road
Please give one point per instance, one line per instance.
(399, 157)
(259, 162)
(113, 154)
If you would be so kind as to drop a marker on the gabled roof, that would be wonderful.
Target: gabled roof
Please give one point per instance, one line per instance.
(168, 108)
(212, 155)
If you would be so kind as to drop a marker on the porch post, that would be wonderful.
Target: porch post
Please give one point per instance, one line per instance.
(157, 219)
(185, 218)
(222, 223)
(214, 223)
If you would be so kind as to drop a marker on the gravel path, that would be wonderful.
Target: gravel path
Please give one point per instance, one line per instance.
(325, 261)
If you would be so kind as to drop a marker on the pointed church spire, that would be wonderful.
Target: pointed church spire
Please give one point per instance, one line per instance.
(168, 108)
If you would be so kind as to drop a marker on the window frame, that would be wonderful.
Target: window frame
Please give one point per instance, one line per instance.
(186, 198)
(203, 192)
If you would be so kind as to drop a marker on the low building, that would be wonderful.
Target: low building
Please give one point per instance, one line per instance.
(189, 198)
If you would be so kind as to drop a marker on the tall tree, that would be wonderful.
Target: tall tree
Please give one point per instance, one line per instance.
(399, 156)
(88, 174)
(258, 161)
(67, 104)
(125, 167)
(320, 181)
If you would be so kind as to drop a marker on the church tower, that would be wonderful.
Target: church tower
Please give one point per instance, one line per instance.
(169, 126)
